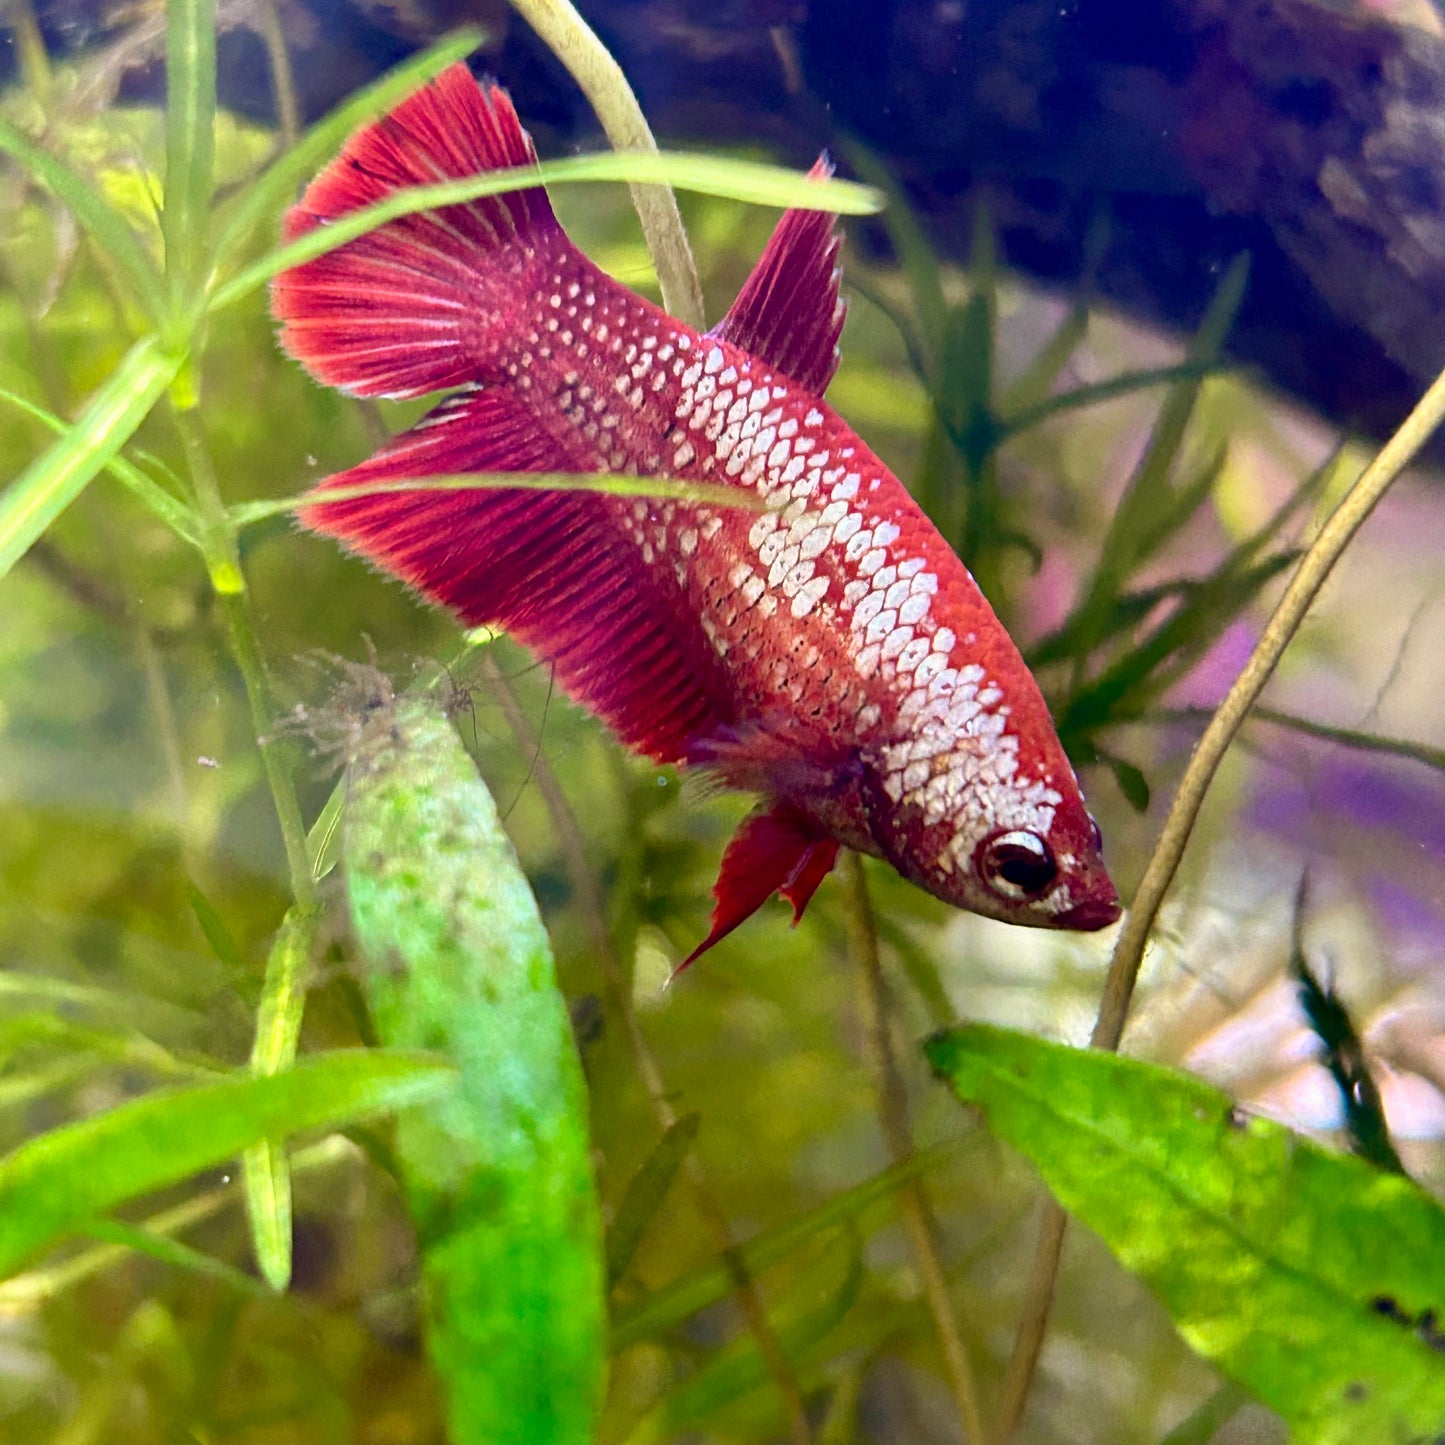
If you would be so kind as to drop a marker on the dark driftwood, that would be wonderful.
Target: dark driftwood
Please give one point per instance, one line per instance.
(1311, 135)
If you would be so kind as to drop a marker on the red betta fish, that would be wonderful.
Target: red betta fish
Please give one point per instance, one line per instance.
(829, 652)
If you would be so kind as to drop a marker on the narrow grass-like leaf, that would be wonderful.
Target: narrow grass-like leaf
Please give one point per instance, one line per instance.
(271, 192)
(1016, 417)
(1127, 688)
(676, 1302)
(1148, 496)
(105, 226)
(190, 144)
(53, 481)
(323, 840)
(1131, 780)
(214, 927)
(802, 1323)
(54, 1184)
(1366, 742)
(23, 1292)
(645, 1192)
(175, 1254)
(498, 1173)
(1038, 379)
(747, 181)
(278, 1028)
(614, 484)
(173, 512)
(916, 255)
(1311, 1278)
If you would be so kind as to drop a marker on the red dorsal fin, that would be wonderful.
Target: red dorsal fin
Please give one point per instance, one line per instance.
(775, 850)
(789, 313)
(551, 567)
(411, 307)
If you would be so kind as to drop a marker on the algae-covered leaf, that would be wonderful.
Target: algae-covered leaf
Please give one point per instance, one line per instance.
(58, 1182)
(497, 1173)
(1310, 1277)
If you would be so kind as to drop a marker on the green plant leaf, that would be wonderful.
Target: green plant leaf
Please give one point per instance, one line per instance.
(105, 226)
(1311, 1278)
(615, 484)
(1149, 497)
(645, 1192)
(175, 1254)
(802, 1322)
(674, 1303)
(748, 181)
(271, 192)
(53, 481)
(498, 1174)
(1157, 661)
(56, 1183)
(173, 512)
(1131, 780)
(190, 145)
(278, 1029)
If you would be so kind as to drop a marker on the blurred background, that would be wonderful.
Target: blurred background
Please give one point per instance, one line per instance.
(1073, 187)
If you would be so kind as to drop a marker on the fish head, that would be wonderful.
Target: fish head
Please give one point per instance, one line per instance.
(995, 827)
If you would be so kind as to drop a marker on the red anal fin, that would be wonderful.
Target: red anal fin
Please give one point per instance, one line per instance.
(419, 303)
(789, 313)
(774, 851)
(552, 568)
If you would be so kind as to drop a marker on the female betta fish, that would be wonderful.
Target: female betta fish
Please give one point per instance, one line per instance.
(828, 652)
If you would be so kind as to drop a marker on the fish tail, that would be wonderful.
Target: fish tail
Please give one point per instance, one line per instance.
(422, 302)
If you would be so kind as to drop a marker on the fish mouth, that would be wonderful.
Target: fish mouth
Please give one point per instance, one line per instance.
(1092, 914)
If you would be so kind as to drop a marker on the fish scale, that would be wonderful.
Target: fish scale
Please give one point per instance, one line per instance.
(829, 652)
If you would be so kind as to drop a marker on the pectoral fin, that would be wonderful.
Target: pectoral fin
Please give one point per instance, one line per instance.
(776, 850)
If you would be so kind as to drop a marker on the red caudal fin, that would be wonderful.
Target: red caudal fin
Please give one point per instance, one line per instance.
(774, 851)
(409, 308)
(789, 311)
(551, 567)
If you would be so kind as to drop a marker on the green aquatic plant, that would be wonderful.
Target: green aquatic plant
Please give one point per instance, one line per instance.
(195, 1006)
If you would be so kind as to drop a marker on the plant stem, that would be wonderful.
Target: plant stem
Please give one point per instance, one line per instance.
(1313, 570)
(589, 894)
(913, 1202)
(229, 582)
(576, 45)
(283, 78)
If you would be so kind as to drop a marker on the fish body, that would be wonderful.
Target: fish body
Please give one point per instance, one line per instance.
(829, 652)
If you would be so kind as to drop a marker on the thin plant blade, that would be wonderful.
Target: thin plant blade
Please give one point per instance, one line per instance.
(278, 1028)
(106, 227)
(190, 143)
(272, 191)
(56, 478)
(748, 181)
(56, 1183)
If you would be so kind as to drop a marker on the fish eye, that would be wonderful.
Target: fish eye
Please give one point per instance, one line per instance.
(1017, 866)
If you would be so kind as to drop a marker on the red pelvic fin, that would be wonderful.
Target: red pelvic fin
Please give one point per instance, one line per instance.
(552, 568)
(774, 851)
(789, 313)
(408, 308)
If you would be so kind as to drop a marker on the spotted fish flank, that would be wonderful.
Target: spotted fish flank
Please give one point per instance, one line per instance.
(830, 653)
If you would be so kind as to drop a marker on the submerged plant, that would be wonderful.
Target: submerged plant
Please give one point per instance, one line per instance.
(750, 1281)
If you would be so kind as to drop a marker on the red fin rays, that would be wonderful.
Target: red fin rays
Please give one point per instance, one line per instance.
(407, 309)
(789, 312)
(774, 851)
(550, 567)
